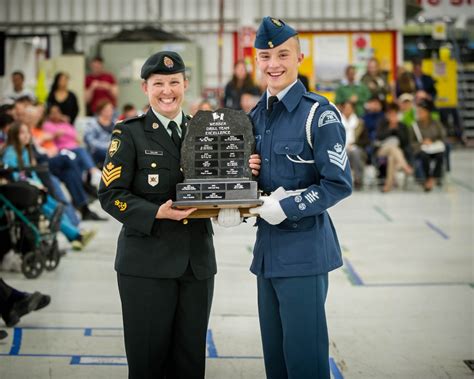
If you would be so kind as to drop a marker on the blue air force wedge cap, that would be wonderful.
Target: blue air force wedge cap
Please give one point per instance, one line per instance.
(272, 32)
(164, 62)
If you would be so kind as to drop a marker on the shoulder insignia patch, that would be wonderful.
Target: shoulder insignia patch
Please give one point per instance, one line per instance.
(114, 146)
(326, 118)
(111, 173)
(116, 131)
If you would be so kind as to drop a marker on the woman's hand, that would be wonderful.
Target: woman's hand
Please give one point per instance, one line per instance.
(166, 211)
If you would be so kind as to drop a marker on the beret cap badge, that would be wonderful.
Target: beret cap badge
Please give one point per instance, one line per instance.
(276, 22)
(168, 62)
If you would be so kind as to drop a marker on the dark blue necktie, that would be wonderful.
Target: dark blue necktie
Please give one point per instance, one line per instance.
(271, 100)
(174, 134)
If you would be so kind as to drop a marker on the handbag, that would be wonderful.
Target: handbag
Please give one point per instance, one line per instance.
(434, 148)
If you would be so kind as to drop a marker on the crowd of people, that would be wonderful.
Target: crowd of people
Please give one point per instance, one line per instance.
(390, 128)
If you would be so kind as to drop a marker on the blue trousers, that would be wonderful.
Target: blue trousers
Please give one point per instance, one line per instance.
(67, 228)
(84, 159)
(69, 172)
(293, 326)
(59, 195)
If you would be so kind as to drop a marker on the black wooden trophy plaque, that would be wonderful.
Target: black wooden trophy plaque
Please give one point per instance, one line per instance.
(214, 159)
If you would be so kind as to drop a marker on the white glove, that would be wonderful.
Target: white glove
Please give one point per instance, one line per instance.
(271, 210)
(229, 217)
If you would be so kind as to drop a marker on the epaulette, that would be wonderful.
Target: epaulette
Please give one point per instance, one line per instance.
(316, 98)
(189, 116)
(127, 120)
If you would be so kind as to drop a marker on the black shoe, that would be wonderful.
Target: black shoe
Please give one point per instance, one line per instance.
(92, 216)
(24, 306)
(91, 190)
(3, 334)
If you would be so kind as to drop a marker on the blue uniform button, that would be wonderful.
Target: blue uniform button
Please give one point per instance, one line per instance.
(266, 160)
(286, 147)
(294, 226)
(267, 131)
(295, 217)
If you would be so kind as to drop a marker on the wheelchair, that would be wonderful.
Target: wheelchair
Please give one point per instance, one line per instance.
(26, 230)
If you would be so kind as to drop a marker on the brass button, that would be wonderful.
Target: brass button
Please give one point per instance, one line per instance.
(185, 221)
(155, 125)
(153, 165)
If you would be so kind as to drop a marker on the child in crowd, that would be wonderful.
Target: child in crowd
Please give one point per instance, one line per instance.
(18, 155)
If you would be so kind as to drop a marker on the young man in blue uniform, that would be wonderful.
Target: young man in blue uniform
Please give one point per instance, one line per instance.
(304, 171)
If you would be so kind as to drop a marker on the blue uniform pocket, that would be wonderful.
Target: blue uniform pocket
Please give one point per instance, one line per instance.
(283, 149)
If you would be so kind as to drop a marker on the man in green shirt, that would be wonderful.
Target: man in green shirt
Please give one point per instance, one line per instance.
(352, 91)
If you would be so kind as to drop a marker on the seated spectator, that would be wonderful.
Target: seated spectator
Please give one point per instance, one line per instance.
(66, 100)
(98, 132)
(304, 80)
(428, 143)
(353, 91)
(100, 86)
(357, 140)
(69, 167)
(5, 122)
(248, 101)
(200, 105)
(375, 80)
(241, 82)
(423, 81)
(14, 304)
(128, 111)
(406, 102)
(405, 83)
(18, 155)
(372, 116)
(19, 90)
(22, 105)
(392, 141)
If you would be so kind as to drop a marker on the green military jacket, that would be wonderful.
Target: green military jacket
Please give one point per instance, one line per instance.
(140, 173)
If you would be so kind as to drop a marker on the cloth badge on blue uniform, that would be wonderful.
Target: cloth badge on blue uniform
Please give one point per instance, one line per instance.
(272, 32)
(328, 117)
(311, 197)
(338, 156)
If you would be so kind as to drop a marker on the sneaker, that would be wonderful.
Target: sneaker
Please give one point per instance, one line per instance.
(21, 307)
(12, 262)
(77, 245)
(87, 236)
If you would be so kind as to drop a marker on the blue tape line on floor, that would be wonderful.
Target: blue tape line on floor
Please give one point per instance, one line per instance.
(336, 373)
(437, 230)
(16, 343)
(354, 278)
(211, 347)
(380, 211)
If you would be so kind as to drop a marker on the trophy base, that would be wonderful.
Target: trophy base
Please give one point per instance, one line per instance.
(211, 209)
(210, 196)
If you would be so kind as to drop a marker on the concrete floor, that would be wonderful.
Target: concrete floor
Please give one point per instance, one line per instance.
(402, 306)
